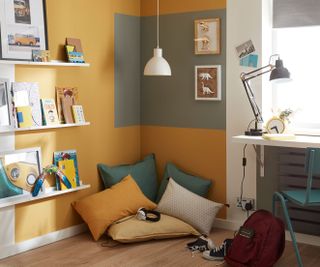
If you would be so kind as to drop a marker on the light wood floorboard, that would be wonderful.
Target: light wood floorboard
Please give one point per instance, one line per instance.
(81, 250)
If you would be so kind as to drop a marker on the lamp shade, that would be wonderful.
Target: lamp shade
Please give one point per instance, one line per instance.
(157, 65)
(279, 73)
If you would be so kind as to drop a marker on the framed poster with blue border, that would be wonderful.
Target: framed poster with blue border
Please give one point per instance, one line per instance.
(67, 154)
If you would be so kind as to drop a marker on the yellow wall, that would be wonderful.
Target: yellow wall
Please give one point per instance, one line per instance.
(149, 7)
(92, 22)
(200, 152)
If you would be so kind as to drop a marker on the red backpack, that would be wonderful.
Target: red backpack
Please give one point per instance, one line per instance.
(259, 243)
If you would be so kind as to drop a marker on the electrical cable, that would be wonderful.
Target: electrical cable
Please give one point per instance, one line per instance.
(244, 164)
(248, 127)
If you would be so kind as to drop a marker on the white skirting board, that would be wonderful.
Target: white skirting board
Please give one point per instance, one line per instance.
(235, 225)
(9, 250)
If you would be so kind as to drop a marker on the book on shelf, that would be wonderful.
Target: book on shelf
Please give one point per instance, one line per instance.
(78, 114)
(68, 163)
(66, 97)
(49, 111)
(40, 55)
(68, 168)
(74, 50)
(27, 94)
(24, 116)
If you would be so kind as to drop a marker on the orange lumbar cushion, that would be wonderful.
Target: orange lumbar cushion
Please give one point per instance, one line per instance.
(100, 210)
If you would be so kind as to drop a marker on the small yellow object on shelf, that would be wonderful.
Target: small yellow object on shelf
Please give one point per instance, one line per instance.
(279, 136)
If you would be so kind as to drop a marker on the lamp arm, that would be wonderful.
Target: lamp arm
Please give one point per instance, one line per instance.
(245, 78)
(254, 106)
(256, 73)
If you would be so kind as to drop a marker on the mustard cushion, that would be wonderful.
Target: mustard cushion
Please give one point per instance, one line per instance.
(130, 230)
(102, 209)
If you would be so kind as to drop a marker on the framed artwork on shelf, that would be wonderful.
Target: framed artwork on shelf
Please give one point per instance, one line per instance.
(208, 82)
(6, 115)
(207, 36)
(19, 170)
(67, 162)
(23, 28)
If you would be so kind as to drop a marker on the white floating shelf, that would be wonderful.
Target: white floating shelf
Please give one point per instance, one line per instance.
(38, 128)
(51, 63)
(11, 201)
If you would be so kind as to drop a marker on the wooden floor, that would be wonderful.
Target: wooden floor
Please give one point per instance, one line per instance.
(82, 251)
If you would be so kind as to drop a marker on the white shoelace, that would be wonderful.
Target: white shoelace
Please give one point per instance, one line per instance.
(219, 248)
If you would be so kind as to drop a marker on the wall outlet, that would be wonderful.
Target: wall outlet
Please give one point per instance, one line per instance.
(246, 204)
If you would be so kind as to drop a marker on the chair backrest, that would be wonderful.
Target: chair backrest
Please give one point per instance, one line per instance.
(313, 160)
(312, 167)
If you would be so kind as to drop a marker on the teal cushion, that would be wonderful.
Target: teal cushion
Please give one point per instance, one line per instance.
(143, 172)
(195, 184)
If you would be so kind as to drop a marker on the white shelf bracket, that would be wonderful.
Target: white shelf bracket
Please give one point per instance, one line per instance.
(260, 158)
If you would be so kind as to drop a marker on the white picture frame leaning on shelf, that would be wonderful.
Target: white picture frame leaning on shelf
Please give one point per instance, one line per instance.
(6, 114)
(208, 82)
(19, 170)
(23, 28)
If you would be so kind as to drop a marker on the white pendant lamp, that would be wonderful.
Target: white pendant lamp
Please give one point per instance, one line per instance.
(157, 65)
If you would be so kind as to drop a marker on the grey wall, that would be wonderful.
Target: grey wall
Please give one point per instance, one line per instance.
(170, 101)
(295, 13)
(127, 70)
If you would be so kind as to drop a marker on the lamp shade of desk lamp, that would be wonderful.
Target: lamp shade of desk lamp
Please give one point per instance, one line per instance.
(157, 65)
(279, 73)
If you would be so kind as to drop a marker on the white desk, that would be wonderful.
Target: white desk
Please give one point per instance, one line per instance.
(299, 142)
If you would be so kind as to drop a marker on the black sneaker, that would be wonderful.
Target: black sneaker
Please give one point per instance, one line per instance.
(218, 253)
(201, 244)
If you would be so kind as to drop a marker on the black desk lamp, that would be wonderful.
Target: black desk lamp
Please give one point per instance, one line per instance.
(278, 72)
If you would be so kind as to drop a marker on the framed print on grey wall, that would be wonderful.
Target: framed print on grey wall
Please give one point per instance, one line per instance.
(208, 82)
(23, 28)
(207, 36)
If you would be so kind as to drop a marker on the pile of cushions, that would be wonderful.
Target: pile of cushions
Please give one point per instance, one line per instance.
(181, 201)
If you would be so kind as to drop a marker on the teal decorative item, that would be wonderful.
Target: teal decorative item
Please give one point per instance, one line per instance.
(195, 184)
(7, 189)
(143, 172)
(50, 169)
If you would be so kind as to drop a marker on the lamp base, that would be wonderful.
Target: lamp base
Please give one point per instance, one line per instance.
(254, 132)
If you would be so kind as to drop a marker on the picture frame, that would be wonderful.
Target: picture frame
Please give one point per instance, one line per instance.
(19, 170)
(207, 36)
(23, 28)
(6, 107)
(208, 82)
(68, 155)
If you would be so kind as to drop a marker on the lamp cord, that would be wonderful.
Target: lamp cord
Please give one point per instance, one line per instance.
(244, 164)
(158, 27)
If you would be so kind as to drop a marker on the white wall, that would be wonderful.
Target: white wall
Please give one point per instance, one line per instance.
(245, 20)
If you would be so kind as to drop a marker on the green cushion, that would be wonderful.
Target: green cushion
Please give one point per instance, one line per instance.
(195, 184)
(143, 172)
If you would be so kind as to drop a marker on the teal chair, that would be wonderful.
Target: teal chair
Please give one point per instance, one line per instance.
(303, 197)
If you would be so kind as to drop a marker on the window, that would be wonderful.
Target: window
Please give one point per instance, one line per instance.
(300, 50)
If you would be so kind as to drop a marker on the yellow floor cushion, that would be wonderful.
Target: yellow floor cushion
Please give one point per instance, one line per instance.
(102, 209)
(130, 229)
